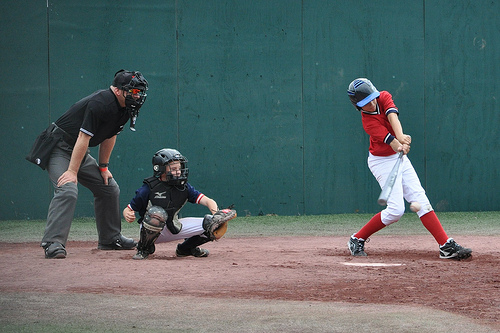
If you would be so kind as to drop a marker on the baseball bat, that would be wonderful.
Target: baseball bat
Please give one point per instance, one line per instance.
(389, 183)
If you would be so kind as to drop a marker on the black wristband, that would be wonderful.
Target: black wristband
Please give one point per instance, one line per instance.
(389, 138)
(103, 165)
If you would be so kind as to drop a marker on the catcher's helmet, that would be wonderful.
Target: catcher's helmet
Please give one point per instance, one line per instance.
(361, 92)
(162, 158)
(135, 84)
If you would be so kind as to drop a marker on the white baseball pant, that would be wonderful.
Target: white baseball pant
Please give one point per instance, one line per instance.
(191, 226)
(407, 187)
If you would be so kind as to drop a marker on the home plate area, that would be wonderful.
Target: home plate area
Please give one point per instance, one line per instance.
(370, 264)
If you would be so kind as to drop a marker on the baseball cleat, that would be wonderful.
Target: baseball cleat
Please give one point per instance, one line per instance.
(196, 252)
(119, 243)
(356, 246)
(140, 255)
(451, 250)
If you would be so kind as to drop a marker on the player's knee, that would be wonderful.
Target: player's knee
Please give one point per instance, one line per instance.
(426, 208)
(392, 215)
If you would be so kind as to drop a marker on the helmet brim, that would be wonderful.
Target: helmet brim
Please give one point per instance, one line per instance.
(368, 99)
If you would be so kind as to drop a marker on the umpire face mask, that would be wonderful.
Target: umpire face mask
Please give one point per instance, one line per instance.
(134, 99)
(135, 95)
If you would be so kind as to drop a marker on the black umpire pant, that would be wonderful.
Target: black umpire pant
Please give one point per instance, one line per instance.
(63, 204)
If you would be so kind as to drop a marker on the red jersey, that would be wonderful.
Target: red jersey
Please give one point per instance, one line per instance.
(377, 125)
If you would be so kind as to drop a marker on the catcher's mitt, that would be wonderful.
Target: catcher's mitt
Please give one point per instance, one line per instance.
(216, 225)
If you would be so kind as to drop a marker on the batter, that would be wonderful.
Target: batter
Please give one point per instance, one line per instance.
(380, 118)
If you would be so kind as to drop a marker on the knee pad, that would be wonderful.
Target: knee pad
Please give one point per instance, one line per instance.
(155, 219)
(207, 221)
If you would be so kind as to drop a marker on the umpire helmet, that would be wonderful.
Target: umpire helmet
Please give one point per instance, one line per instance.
(162, 158)
(361, 92)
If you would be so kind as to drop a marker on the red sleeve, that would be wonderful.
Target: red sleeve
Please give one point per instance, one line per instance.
(386, 103)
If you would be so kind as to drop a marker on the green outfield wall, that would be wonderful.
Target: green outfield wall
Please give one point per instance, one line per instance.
(254, 94)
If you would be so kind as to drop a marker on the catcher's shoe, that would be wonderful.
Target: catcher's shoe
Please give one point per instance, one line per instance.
(119, 243)
(140, 255)
(196, 252)
(451, 250)
(356, 246)
(54, 250)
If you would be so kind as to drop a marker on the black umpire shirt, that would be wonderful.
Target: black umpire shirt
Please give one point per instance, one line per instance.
(98, 115)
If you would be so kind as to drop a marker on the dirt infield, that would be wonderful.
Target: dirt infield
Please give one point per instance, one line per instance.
(399, 272)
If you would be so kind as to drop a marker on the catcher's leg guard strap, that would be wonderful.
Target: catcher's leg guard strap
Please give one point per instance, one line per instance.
(147, 241)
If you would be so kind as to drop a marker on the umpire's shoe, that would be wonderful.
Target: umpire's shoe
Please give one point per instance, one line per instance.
(451, 250)
(196, 252)
(54, 250)
(119, 243)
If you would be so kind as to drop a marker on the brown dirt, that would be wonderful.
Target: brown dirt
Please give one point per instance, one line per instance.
(278, 268)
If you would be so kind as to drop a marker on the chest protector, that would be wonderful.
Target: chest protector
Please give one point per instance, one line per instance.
(170, 198)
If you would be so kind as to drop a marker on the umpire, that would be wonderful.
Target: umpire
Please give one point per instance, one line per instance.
(93, 121)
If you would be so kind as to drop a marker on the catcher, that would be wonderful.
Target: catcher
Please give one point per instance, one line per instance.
(159, 201)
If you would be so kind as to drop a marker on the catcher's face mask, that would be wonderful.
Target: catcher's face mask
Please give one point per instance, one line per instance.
(174, 168)
(176, 173)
